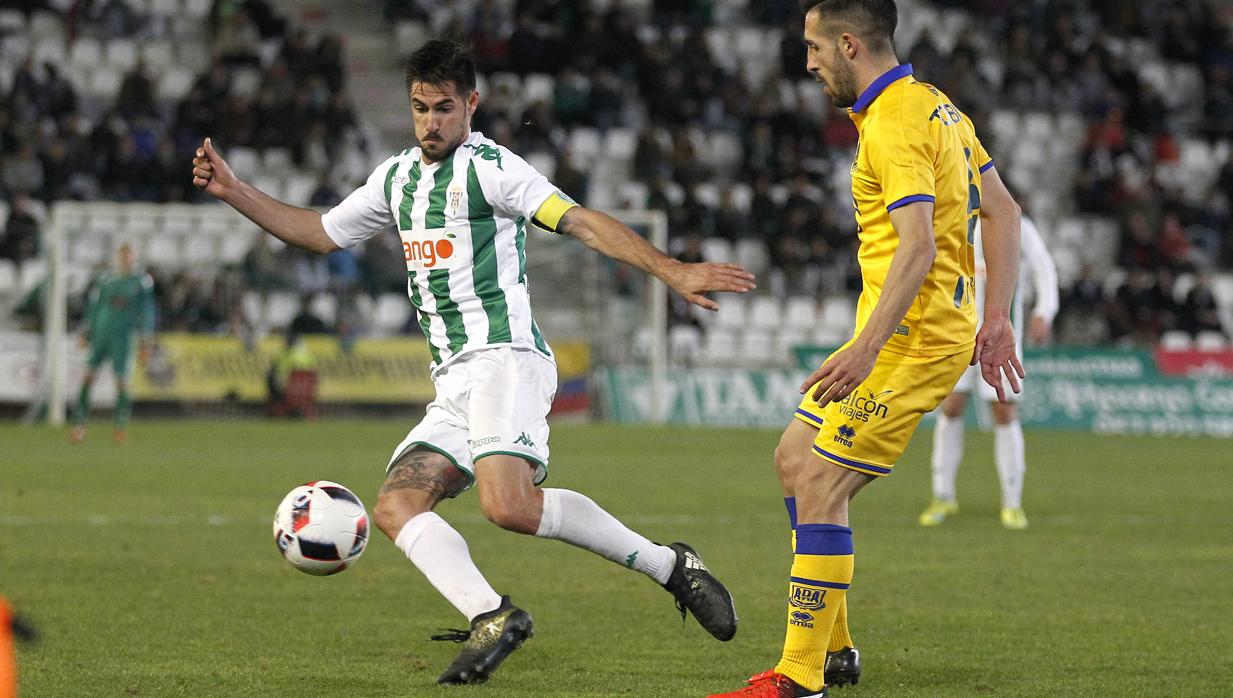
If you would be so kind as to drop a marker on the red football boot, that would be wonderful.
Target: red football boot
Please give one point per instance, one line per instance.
(768, 684)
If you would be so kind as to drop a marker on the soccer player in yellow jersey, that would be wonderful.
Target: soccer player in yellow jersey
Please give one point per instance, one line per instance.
(920, 181)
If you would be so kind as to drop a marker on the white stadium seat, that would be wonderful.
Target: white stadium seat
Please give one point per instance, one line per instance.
(105, 82)
(280, 309)
(175, 84)
(1211, 341)
(390, 313)
(87, 52)
(8, 277)
(765, 313)
(325, 306)
(800, 311)
(122, 54)
(31, 274)
(1175, 340)
(716, 250)
(838, 315)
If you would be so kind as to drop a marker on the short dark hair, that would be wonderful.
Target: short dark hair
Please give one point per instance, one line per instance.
(440, 61)
(872, 20)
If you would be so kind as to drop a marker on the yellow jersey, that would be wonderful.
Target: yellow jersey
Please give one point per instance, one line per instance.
(916, 146)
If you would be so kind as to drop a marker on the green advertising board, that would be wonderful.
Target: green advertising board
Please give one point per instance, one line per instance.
(1103, 391)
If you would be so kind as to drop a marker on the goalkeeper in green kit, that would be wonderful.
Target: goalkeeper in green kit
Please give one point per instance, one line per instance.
(121, 304)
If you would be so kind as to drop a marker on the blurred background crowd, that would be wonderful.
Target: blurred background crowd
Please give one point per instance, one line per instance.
(1112, 122)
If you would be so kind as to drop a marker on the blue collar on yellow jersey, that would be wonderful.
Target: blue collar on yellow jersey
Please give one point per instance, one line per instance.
(877, 86)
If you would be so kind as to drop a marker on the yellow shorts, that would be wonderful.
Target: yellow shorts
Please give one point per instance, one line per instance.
(870, 429)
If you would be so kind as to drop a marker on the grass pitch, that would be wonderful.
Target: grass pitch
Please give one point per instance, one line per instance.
(151, 571)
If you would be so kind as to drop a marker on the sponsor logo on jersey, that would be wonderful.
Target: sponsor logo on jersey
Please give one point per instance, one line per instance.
(845, 435)
(807, 598)
(863, 404)
(525, 440)
(483, 442)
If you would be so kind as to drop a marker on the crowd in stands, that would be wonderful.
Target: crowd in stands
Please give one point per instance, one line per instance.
(665, 76)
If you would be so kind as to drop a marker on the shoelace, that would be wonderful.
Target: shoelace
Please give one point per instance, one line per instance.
(452, 635)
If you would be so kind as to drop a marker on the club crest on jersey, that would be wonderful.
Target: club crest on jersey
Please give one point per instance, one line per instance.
(807, 598)
(455, 194)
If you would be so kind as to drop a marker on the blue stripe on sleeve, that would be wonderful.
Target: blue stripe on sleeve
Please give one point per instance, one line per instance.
(910, 200)
(986, 167)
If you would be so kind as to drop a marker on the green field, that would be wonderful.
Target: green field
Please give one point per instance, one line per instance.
(151, 571)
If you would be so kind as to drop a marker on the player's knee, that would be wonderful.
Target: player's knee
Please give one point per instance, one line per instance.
(510, 511)
(789, 462)
(415, 483)
(953, 405)
(1004, 414)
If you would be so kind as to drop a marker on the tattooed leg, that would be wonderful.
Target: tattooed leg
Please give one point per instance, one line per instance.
(417, 481)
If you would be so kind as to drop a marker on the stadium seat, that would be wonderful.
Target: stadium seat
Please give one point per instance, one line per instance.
(720, 347)
(632, 195)
(838, 315)
(759, 348)
(1182, 285)
(77, 278)
(765, 313)
(199, 247)
(391, 313)
(800, 312)
(89, 249)
(253, 309)
(50, 50)
(299, 189)
(707, 194)
(752, 255)
(538, 87)
(165, 8)
(716, 250)
(620, 144)
(197, 9)
(325, 306)
(163, 251)
(280, 308)
(105, 82)
(1175, 340)
(545, 163)
(121, 54)
(1209, 340)
(245, 82)
(584, 145)
(684, 344)
(45, 23)
(410, 35)
(733, 315)
(158, 56)
(12, 22)
(86, 52)
(175, 84)
(277, 160)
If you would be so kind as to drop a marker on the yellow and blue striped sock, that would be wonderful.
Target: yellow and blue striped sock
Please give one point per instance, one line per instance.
(841, 636)
(821, 573)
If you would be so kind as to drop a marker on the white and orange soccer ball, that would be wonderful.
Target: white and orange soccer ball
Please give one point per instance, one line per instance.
(321, 528)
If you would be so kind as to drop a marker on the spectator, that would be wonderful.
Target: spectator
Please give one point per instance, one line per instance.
(21, 231)
(1199, 313)
(305, 321)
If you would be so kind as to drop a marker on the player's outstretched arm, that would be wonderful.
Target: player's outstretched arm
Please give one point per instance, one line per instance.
(293, 225)
(995, 342)
(845, 370)
(607, 235)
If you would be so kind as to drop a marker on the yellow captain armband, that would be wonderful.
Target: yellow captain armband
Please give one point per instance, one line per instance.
(551, 211)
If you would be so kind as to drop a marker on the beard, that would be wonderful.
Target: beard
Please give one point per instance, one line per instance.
(440, 149)
(843, 86)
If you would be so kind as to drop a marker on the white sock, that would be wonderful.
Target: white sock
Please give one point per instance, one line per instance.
(1009, 457)
(577, 520)
(947, 452)
(442, 555)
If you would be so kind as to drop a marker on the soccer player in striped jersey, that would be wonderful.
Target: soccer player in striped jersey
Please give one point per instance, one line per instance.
(920, 182)
(462, 206)
(1008, 449)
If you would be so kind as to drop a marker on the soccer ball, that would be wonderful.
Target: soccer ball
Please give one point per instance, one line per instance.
(321, 528)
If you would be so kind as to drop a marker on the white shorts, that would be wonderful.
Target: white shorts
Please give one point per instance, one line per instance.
(489, 402)
(972, 378)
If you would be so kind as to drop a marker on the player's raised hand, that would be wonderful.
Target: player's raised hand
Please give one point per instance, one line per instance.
(842, 373)
(995, 351)
(693, 280)
(211, 172)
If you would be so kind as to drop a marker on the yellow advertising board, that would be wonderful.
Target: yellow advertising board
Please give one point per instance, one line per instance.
(377, 370)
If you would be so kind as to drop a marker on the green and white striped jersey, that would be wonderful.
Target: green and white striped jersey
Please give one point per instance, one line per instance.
(463, 224)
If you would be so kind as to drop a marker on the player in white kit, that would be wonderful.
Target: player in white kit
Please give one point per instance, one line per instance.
(1008, 446)
(462, 205)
